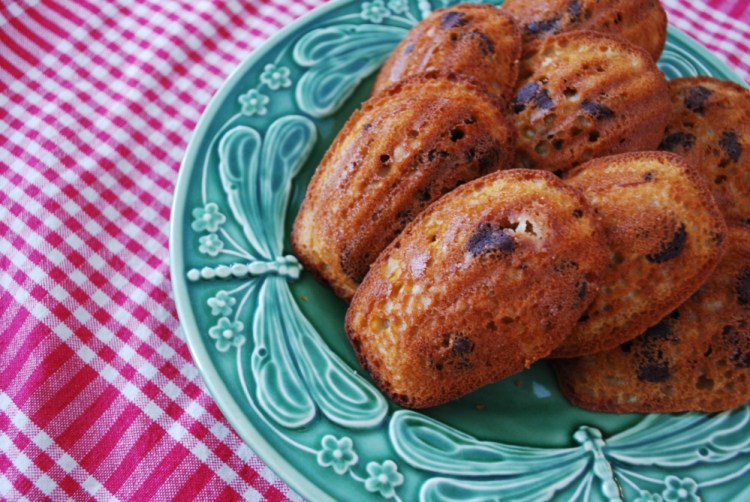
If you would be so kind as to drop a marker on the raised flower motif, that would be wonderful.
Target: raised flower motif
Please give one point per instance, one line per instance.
(337, 453)
(227, 334)
(275, 76)
(207, 218)
(210, 244)
(682, 490)
(425, 8)
(254, 103)
(645, 496)
(383, 478)
(397, 6)
(374, 11)
(222, 303)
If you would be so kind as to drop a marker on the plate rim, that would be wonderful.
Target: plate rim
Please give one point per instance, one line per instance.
(213, 382)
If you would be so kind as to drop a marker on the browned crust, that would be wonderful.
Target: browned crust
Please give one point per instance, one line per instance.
(710, 126)
(583, 95)
(357, 202)
(640, 22)
(696, 359)
(412, 330)
(464, 48)
(603, 330)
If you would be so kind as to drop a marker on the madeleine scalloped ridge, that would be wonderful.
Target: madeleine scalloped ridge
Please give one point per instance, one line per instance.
(583, 95)
(485, 281)
(479, 41)
(406, 147)
(710, 126)
(697, 358)
(640, 22)
(666, 234)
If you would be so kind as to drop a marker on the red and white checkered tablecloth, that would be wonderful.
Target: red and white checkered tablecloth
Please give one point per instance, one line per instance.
(98, 394)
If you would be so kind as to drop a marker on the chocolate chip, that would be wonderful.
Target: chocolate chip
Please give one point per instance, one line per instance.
(543, 100)
(625, 347)
(424, 194)
(597, 110)
(367, 126)
(461, 345)
(488, 239)
(743, 287)
(672, 141)
(543, 26)
(485, 43)
(574, 8)
(578, 213)
(408, 48)
(695, 98)
(672, 249)
(658, 332)
(558, 144)
(583, 286)
(524, 95)
(654, 372)
(731, 145)
(453, 19)
(648, 176)
(584, 318)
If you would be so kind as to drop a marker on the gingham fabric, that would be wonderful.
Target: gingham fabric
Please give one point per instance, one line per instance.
(98, 395)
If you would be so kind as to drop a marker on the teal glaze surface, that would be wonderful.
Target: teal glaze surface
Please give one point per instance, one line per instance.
(269, 340)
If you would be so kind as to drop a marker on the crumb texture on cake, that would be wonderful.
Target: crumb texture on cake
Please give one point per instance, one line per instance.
(582, 95)
(484, 282)
(405, 148)
(695, 359)
(640, 22)
(480, 41)
(710, 126)
(666, 235)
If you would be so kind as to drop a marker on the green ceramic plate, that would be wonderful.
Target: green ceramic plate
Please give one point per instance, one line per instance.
(269, 340)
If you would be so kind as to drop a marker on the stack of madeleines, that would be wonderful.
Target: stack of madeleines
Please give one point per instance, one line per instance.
(524, 183)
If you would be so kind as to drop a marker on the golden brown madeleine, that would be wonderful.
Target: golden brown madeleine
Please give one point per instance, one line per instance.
(666, 234)
(481, 284)
(640, 22)
(476, 40)
(583, 95)
(710, 126)
(697, 358)
(405, 148)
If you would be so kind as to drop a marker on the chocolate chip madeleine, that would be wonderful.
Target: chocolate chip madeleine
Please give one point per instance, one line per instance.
(695, 359)
(666, 234)
(484, 282)
(640, 22)
(476, 40)
(405, 148)
(710, 126)
(583, 95)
